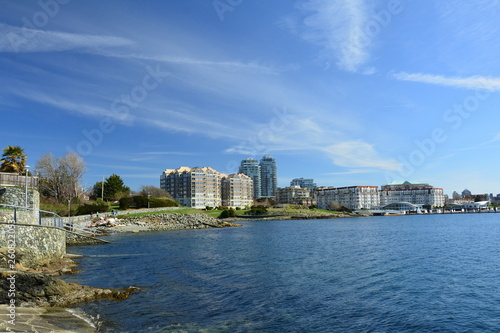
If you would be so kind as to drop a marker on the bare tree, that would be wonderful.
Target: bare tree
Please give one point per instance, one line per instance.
(61, 177)
(153, 191)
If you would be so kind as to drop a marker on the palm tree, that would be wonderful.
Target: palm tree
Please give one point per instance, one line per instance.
(13, 160)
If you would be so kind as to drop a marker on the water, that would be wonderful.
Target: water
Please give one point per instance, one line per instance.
(436, 273)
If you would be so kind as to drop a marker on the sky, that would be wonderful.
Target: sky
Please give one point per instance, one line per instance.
(347, 92)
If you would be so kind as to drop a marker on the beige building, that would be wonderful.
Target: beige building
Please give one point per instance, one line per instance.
(237, 191)
(415, 193)
(193, 187)
(295, 195)
(352, 197)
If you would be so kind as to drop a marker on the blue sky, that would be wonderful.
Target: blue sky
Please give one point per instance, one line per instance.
(348, 92)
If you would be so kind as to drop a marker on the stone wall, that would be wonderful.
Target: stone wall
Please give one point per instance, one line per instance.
(33, 244)
(16, 196)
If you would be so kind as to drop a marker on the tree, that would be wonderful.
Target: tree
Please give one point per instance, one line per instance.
(13, 160)
(114, 188)
(61, 177)
(153, 191)
(335, 206)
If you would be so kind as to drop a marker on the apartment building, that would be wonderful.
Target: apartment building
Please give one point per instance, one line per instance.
(237, 191)
(303, 182)
(295, 195)
(202, 187)
(415, 193)
(251, 168)
(193, 187)
(352, 197)
(268, 176)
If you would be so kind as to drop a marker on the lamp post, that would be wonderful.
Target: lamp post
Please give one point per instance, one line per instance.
(148, 199)
(26, 186)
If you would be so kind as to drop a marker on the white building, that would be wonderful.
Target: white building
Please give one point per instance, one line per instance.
(237, 191)
(352, 197)
(415, 193)
(295, 195)
(193, 187)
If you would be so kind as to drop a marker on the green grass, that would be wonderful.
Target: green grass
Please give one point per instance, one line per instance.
(177, 211)
(216, 213)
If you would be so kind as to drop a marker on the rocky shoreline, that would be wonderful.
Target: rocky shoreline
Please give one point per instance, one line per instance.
(40, 297)
(39, 286)
(166, 221)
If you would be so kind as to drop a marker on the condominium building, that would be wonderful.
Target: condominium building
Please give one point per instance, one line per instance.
(269, 176)
(352, 197)
(193, 187)
(303, 182)
(415, 193)
(237, 191)
(251, 168)
(295, 195)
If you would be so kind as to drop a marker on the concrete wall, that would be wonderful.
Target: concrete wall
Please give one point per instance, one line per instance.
(33, 243)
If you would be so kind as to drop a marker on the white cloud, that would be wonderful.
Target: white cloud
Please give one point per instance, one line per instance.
(16, 39)
(351, 172)
(359, 154)
(338, 27)
(472, 82)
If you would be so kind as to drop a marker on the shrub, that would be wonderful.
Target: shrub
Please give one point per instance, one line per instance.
(162, 202)
(126, 202)
(93, 208)
(257, 210)
(140, 201)
(227, 213)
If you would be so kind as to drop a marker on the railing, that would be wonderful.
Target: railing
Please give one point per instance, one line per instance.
(13, 179)
(30, 216)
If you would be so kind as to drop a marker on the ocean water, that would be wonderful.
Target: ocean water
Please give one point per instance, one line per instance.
(435, 273)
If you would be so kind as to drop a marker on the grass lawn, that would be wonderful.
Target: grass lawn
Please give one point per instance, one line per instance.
(178, 211)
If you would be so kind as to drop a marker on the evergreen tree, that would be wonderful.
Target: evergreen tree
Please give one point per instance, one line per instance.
(114, 188)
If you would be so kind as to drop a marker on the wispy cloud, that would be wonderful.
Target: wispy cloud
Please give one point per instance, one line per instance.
(351, 172)
(229, 66)
(168, 153)
(472, 82)
(16, 39)
(359, 154)
(483, 144)
(338, 27)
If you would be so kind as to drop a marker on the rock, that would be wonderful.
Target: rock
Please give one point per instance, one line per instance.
(172, 221)
(36, 289)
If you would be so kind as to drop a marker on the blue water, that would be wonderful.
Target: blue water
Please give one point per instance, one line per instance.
(436, 273)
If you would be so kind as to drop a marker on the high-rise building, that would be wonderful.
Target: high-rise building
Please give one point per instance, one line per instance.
(193, 187)
(251, 168)
(269, 176)
(304, 183)
(237, 191)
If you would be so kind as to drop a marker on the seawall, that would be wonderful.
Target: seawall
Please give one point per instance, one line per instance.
(31, 244)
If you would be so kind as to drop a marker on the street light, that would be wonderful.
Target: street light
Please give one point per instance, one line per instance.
(148, 199)
(26, 186)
